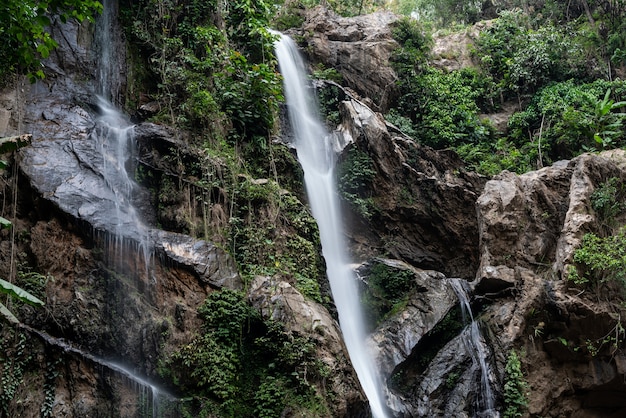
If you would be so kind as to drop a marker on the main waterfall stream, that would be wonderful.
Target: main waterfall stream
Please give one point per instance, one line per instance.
(317, 157)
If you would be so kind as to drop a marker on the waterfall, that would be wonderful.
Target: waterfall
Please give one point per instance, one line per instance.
(478, 350)
(114, 138)
(317, 157)
(125, 236)
(147, 391)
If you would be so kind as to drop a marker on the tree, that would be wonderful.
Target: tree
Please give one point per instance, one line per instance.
(23, 28)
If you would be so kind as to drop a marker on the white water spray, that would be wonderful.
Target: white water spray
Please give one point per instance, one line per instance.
(317, 157)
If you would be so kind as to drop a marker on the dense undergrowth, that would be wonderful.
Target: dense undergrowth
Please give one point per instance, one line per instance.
(561, 72)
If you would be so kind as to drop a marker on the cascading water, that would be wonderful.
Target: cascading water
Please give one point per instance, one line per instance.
(149, 393)
(125, 234)
(316, 154)
(114, 137)
(478, 350)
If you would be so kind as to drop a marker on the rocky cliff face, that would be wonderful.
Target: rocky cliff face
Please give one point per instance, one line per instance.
(358, 48)
(512, 238)
(121, 294)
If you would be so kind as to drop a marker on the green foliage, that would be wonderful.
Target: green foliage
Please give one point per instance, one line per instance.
(269, 399)
(521, 59)
(401, 122)
(515, 386)
(601, 260)
(211, 77)
(387, 290)
(491, 158)
(607, 200)
(355, 175)
(607, 124)
(411, 57)
(279, 237)
(569, 118)
(441, 13)
(23, 27)
(329, 96)
(15, 360)
(322, 73)
(443, 108)
(243, 365)
(611, 342)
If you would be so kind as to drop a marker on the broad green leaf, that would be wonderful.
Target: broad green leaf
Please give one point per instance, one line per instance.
(7, 314)
(4, 223)
(598, 139)
(19, 293)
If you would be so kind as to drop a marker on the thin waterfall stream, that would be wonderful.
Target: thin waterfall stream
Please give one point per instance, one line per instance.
(317, 156)
(478, 350)
(126, 235)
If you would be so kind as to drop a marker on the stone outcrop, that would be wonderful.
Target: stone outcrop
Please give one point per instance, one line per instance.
(279, 301)
(530, 226)
(358, 47)
(514, 236)
(425, 198)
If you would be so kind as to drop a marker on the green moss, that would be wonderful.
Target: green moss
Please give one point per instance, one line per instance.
(386, 292)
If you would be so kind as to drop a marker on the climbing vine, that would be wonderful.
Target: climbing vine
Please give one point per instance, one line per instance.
(515, 387)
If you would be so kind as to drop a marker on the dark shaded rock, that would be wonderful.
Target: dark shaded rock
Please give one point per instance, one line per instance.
(394, 340)
(424, 198)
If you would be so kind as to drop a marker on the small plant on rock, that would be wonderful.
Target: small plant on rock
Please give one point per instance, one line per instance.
(515, 386)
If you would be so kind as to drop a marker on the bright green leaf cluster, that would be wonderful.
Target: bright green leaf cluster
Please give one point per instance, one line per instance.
(24, 25)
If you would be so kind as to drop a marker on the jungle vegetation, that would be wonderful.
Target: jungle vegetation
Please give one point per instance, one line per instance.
(210, 65)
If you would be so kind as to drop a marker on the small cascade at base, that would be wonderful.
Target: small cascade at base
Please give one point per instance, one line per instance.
(478, 350)
(150, 395)
(317, 154)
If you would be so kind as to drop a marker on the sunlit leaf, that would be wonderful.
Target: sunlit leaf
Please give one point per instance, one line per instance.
(19, 293)
(4, 223)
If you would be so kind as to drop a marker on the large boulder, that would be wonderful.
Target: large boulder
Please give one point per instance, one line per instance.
(570, 337)
(358, 47)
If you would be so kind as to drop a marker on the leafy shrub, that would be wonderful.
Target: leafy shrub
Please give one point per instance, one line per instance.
(602, 260)
(607, 200)
(411, 57)
(242, 365)
(521, 60)
(443, 108)
(571, 118)
(515, 386)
